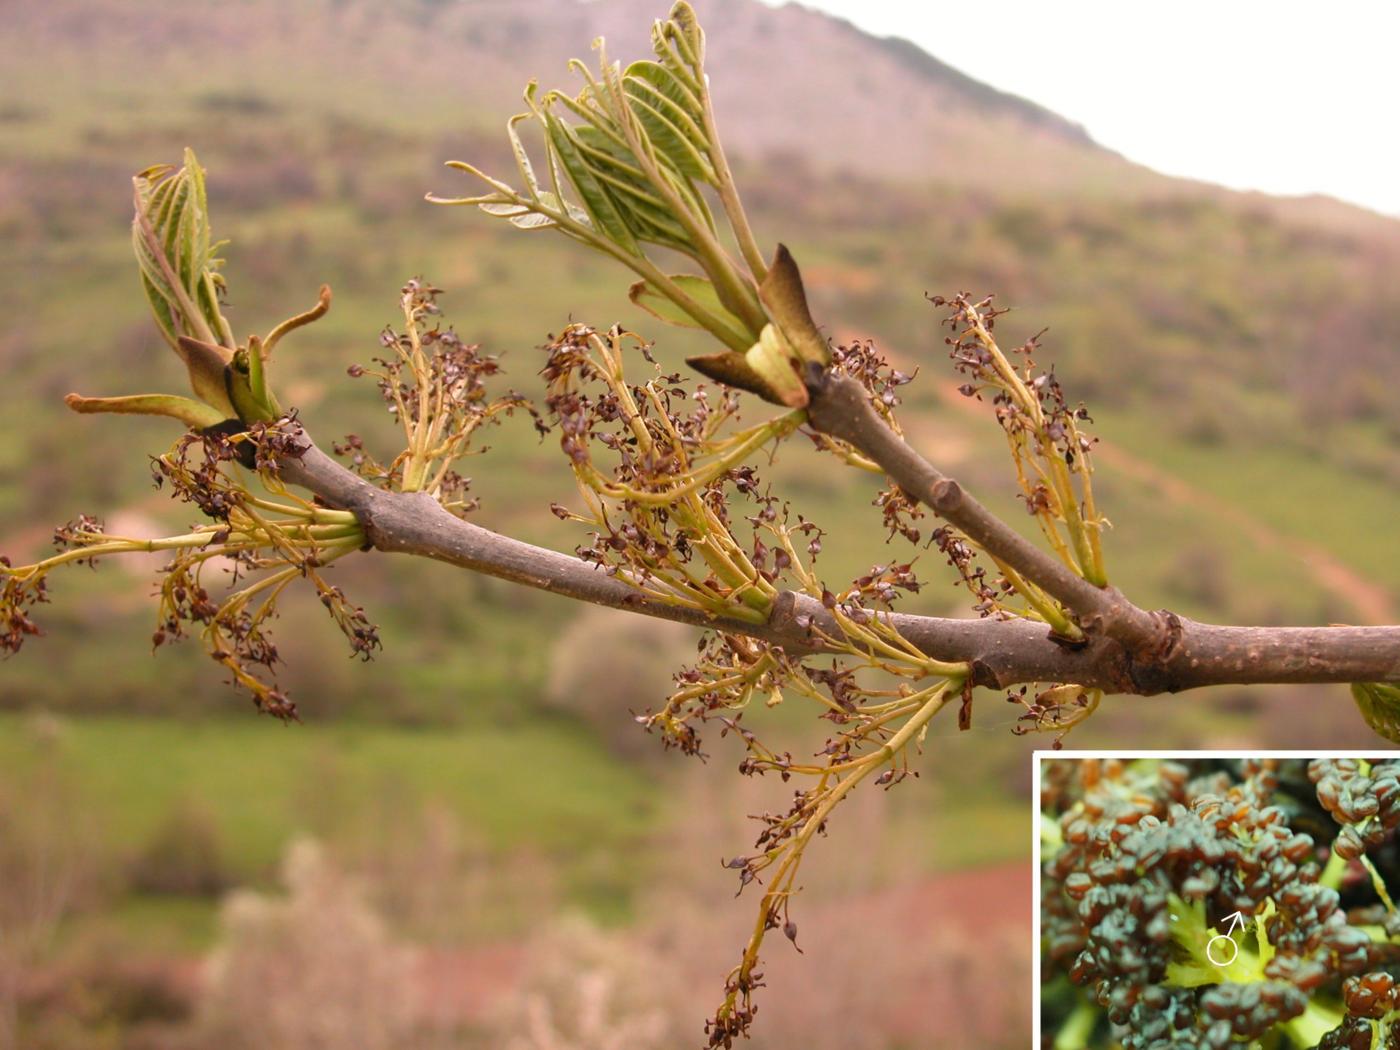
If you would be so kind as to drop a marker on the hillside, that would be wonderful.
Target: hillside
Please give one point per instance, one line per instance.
(842, 98)
(1243, 345)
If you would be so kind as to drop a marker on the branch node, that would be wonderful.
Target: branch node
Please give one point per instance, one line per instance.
(1150, 670)
(945, 496)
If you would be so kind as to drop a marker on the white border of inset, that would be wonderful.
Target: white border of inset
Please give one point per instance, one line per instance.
(1041, 754)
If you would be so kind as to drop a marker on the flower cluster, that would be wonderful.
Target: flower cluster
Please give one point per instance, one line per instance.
(680, 513)
(435, 386)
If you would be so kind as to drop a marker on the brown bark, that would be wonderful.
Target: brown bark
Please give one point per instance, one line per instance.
(1128, 649)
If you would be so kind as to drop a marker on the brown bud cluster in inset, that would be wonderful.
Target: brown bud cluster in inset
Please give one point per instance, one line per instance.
(1156, 861)
(1364, 799)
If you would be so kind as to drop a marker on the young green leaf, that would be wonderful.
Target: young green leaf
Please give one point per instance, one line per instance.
(663, 307)
(597, 201)
(638, 149)
(192, 413)
(1379, 704)
(247, 386)
(175, 252)
(671, 118)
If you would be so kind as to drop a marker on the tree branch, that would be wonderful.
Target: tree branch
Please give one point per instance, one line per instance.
(840, 407)
(1001, 653)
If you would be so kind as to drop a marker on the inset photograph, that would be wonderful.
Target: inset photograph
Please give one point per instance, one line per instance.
(1213, 900)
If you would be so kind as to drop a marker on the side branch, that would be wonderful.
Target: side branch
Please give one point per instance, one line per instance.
(841, 408)
(1000, 653)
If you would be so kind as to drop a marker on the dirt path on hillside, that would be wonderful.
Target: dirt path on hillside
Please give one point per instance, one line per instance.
(1372, 603)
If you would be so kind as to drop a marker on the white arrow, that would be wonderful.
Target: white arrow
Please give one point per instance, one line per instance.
(1236, 921)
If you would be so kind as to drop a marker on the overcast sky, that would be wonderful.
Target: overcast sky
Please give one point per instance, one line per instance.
(1284, 97)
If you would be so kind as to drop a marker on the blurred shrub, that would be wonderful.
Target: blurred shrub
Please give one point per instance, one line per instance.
(314, 970)
(49, 867)
(1204, 423)
(103, 996)
(890, 977)
(606, 666)
(183, 856)
(591, 990)
(897, 981)
(439, 883)
(893, 959)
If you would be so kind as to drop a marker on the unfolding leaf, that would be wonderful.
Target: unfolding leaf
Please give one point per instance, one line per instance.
(679, 43)
(633, 195)
(568, 208)
(665, 81)
(596, 200)
(540, 215)
(192, 413)
(174, 250)
(532, 220)
(1379, 704)
(663, 107)
(504, 209)
(660, 305)
(522, 158)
